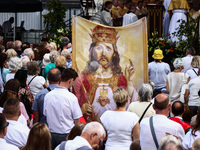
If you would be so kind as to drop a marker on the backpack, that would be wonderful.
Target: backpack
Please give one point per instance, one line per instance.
(26, 103)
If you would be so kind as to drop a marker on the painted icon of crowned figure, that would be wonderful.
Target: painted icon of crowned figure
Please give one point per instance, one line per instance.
(103, 75)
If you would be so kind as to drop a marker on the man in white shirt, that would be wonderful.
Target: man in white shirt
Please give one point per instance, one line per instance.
(3, 131)
(61, 108)
(92, 135)
(161, 124)
(190, 51)
(17, 133)
(130, 16)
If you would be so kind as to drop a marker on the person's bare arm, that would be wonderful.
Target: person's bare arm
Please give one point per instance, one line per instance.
(45, 85)
(76, 121)
(136, 132)
(186, 95)
(167, 86)
(35, 116)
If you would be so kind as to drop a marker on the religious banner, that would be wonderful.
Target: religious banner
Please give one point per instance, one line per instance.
(107, 58)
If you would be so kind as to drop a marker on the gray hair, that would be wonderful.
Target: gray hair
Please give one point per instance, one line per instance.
(14, 64)
(33, 68)
(11, 53)
(18, 44)
(65, 52)
(53, 55)
(170, 140)
(145, 92)
(94, 126)
(25, 60)
(178, 62)
(28, 52)
(64, 41)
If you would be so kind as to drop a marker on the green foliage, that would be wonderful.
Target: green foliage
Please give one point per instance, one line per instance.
(172, 50)
(54, 21)
(190, 31)
(166, 45)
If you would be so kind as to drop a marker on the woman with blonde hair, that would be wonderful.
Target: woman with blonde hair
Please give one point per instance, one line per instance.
(60, 63)
(195, 64)
(121, 126)
(39, 138)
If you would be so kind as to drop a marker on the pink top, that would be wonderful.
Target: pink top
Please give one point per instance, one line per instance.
(23, 111)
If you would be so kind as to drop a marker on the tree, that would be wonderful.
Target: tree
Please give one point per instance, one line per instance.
(54, 21)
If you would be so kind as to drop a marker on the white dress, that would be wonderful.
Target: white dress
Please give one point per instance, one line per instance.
(119, 125)
(178, 14)
(166, 19)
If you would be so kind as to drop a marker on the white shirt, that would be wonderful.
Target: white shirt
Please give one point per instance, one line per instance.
(158, 73)
(194, 87)
(161, 125)
(21, 118)
(176, 81)
(10, 76)
(191, 73)
(119, 126)
(36, 84)
(189, 139)
(77, 142)
(129, 18)
(17, 133)
(61, 108)
(187, 61)
(6, 146)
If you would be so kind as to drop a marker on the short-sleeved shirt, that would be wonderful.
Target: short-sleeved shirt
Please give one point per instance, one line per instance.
(61, 108)
(189, 139)
(119, 126)
(193, 85)
(162, 125)
(39, 102)
(158, 74)
(6, 146)
(36, 84)
(176, 80)
(17, 133)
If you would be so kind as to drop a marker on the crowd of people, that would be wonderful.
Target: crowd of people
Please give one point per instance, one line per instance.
(42, 109)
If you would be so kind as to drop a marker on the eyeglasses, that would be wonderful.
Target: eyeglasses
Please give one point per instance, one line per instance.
(6, 125)
(100, 142)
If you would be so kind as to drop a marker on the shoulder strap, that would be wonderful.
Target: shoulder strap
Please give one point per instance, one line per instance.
(62, 145)
(153, 132)
(48, 89)
(144, 112)
(195, 72)
(31, 80)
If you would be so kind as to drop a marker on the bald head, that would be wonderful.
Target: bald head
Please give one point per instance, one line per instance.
(177, 108)
(161, 101)
(54, 76)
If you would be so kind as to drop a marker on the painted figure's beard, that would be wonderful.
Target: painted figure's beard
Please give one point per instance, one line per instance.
(104, 62)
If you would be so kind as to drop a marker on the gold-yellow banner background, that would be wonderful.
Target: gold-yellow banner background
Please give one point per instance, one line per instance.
(131, 44)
